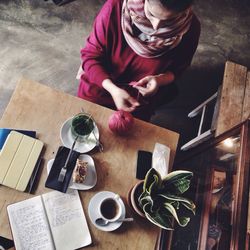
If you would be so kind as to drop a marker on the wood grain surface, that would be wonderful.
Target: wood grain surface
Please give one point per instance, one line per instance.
(34, 106)
(246, 103)
(233, 101)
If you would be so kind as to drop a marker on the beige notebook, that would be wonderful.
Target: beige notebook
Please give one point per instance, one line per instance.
(18, 158)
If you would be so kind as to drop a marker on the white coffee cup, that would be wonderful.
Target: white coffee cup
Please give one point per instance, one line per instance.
(110, 208)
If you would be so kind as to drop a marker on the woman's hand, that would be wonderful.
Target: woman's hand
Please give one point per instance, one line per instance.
(121, 98)
(149, 85)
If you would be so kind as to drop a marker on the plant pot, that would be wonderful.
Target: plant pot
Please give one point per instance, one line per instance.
(133, 196)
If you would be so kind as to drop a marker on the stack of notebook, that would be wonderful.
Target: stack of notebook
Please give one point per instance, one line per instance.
(18, 158)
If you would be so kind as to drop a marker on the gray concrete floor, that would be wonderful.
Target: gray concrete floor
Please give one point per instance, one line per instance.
(42, 41)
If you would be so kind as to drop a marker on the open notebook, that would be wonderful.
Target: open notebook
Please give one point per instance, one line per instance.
(49, 221)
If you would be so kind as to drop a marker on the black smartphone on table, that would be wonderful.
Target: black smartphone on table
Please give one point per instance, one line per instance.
(144, 163)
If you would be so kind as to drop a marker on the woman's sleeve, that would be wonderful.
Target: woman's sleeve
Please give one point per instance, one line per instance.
(187, 49)
(94, 55)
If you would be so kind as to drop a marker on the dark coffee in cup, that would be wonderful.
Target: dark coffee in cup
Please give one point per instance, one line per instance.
(109, 209)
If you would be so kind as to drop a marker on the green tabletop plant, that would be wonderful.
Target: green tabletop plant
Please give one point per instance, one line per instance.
(161, 199)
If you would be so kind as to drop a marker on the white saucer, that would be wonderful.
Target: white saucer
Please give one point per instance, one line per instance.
(68, 139)
(94, 212)
(91, 177)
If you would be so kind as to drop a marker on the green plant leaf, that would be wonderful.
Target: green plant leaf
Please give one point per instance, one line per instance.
(182, 221)
(177, 182)
(154, 185)
(164, 198)
(142, 195)
(183, 201)
(146, 200)
(177, 174)
(160, 199)
(152, 179)
(159, 219)
(190, 207)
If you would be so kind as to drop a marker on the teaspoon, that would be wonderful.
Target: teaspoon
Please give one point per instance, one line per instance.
(103, 222)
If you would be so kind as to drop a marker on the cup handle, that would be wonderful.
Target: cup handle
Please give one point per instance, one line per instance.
(117, 197)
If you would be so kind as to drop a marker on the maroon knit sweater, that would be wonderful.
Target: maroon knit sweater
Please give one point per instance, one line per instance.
(107, 55)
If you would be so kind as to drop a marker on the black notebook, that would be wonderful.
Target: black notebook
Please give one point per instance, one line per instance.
(6, 243)
(144, 163)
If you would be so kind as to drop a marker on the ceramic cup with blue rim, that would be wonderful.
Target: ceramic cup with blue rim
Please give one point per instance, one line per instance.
(82, 126)
(110, 208)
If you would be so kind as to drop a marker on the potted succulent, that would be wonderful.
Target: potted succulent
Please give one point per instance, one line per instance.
(161, 199)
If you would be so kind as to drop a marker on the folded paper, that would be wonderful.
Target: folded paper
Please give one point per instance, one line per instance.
(160, 159)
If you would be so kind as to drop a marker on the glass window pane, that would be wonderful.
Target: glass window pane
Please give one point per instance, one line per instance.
(213, 191)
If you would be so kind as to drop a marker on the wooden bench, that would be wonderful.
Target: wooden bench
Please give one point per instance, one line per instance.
(234, 101)
(231, 107)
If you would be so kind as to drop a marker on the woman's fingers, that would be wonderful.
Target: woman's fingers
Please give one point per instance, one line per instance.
(142, 90)
(130, 104)
(141, 82)
(127, 109)
(133, 102)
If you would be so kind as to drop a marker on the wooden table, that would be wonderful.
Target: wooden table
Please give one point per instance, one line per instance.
(34, 106)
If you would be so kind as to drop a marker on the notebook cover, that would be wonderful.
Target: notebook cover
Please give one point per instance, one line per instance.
(4, 132)
(6, 243)
(60, 159)
(34, 177)
(18, 159)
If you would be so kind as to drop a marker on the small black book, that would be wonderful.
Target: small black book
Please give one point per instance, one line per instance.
(144, 163)
(6, 243)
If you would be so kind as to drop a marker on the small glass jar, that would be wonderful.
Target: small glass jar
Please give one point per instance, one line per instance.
(82, 126)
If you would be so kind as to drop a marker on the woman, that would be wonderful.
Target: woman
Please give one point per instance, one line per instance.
(136, 49)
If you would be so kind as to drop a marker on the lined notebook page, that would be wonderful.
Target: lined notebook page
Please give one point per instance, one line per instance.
(67, 220)
(29, 225)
